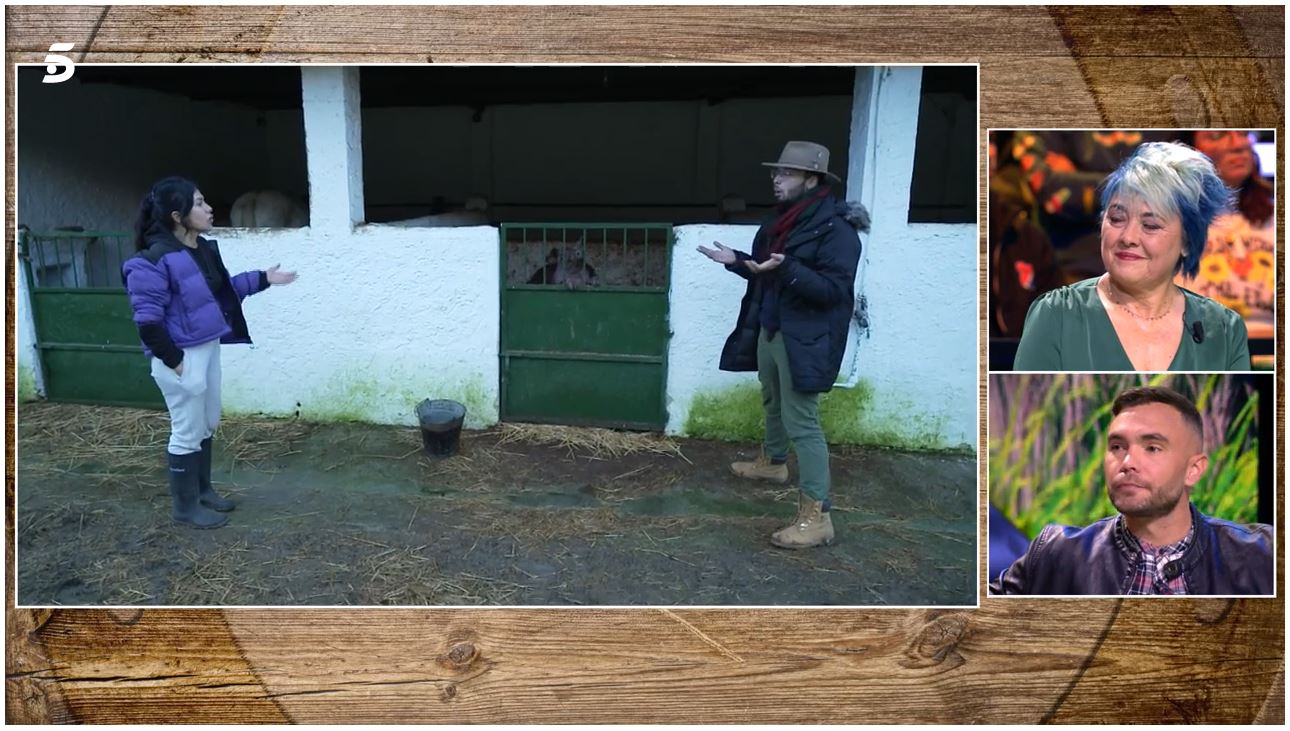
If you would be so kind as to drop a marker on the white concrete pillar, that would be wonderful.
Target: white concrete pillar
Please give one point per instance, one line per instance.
(30, 374)
(920, 358)
(897, 96)
(864, 112)
(862, 166)
(333, 146)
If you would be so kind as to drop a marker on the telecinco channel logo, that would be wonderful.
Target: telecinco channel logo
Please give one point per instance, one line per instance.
(53, 61)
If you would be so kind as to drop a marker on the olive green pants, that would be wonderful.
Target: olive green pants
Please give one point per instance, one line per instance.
(792, 416)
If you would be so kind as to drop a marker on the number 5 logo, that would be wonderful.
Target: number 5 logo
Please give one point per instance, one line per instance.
(53, 61)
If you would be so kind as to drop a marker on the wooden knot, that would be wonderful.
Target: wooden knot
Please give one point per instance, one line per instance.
(1186, 102)
(460, 657)
(1212, 611)
(125, 617)
(937, 642)
(450, 692)
(40, 617)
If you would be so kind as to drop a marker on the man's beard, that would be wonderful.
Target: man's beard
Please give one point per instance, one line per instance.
(1156, 505)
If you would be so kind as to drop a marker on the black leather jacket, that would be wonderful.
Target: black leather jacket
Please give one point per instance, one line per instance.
(1224, 558)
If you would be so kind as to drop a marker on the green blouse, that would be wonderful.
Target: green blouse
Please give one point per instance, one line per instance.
(1068, 329)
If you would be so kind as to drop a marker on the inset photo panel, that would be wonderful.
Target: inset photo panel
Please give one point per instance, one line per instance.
(1130, 484)
(541, 335)
(1132, 250)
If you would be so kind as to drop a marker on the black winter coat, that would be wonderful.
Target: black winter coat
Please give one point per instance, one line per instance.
(816, 285)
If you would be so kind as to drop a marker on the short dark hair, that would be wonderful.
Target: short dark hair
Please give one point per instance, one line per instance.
(1160, 395)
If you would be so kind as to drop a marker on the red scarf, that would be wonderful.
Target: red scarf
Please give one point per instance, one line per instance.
(783, 226)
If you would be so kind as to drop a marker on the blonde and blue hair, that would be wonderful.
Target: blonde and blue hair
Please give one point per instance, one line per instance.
(1174, 180)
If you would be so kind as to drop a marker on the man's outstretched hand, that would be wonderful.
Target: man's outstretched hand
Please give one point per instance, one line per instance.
(721, 254)
(773, 262)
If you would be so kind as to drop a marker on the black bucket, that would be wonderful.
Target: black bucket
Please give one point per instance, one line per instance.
(441, 421)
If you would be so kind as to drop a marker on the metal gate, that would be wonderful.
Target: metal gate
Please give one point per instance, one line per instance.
(85, 335)
(584, 329)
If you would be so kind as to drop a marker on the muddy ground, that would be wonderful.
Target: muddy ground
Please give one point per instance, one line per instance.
(350, 514)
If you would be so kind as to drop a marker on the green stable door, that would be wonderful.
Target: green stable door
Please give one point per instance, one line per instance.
(85, 334)
(584, 330)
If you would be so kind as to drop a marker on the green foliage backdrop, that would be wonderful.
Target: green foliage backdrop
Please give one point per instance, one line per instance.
(1048, 438)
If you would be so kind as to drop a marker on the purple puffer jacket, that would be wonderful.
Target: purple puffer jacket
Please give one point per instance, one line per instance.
(166, 287)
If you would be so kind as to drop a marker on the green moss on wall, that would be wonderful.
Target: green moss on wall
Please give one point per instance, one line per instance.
(843, 412)
(355, 397)
(734, 414)
(26, 384)
(846, 415)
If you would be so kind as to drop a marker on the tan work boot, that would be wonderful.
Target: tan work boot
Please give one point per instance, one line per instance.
(813, 527)
(761, 469)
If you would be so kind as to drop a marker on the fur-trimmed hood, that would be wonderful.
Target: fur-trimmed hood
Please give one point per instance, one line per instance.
(854, 213)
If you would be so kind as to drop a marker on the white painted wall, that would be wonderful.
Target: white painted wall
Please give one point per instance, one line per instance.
(921, 284)
(703, 309)
(360, 335)
(379, 319)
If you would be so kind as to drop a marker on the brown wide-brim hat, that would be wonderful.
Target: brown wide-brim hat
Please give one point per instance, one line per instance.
(808, 156)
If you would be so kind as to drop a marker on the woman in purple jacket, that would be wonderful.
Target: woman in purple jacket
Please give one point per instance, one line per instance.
(185, 304)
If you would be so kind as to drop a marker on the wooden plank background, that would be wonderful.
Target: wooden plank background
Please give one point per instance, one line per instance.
(1190, 660)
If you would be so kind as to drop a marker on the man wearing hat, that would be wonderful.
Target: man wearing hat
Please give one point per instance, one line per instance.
(793, 325)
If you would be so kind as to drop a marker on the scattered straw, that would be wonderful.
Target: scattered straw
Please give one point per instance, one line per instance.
(252, 441)
(215, 577)
(537, 527)
(109, 444)
(103, 444)
(479, 466)
(117, 579)
(595, 443)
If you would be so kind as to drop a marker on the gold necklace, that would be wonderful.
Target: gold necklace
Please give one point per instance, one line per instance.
(1111, 296)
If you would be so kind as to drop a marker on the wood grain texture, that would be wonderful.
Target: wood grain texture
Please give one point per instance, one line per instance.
(1010, 660)
(484, 34)
(1197, 84)
(1031, 660)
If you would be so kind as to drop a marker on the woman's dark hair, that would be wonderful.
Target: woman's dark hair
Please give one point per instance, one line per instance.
(1254, 197)
(167, 195)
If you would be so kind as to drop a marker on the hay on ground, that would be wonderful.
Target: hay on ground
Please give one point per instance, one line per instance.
(594, 442)
(115, 444)
(533, 527)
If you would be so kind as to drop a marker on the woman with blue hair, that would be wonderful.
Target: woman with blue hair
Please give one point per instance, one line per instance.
(1156, 211)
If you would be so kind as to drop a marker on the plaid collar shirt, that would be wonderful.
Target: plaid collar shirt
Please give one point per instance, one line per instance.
(1157, 569)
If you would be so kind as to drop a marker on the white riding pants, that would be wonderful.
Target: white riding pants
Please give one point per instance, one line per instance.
(192, 398)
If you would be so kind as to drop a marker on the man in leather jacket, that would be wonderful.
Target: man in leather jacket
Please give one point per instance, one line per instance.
(1159, 543)
(793, 325)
